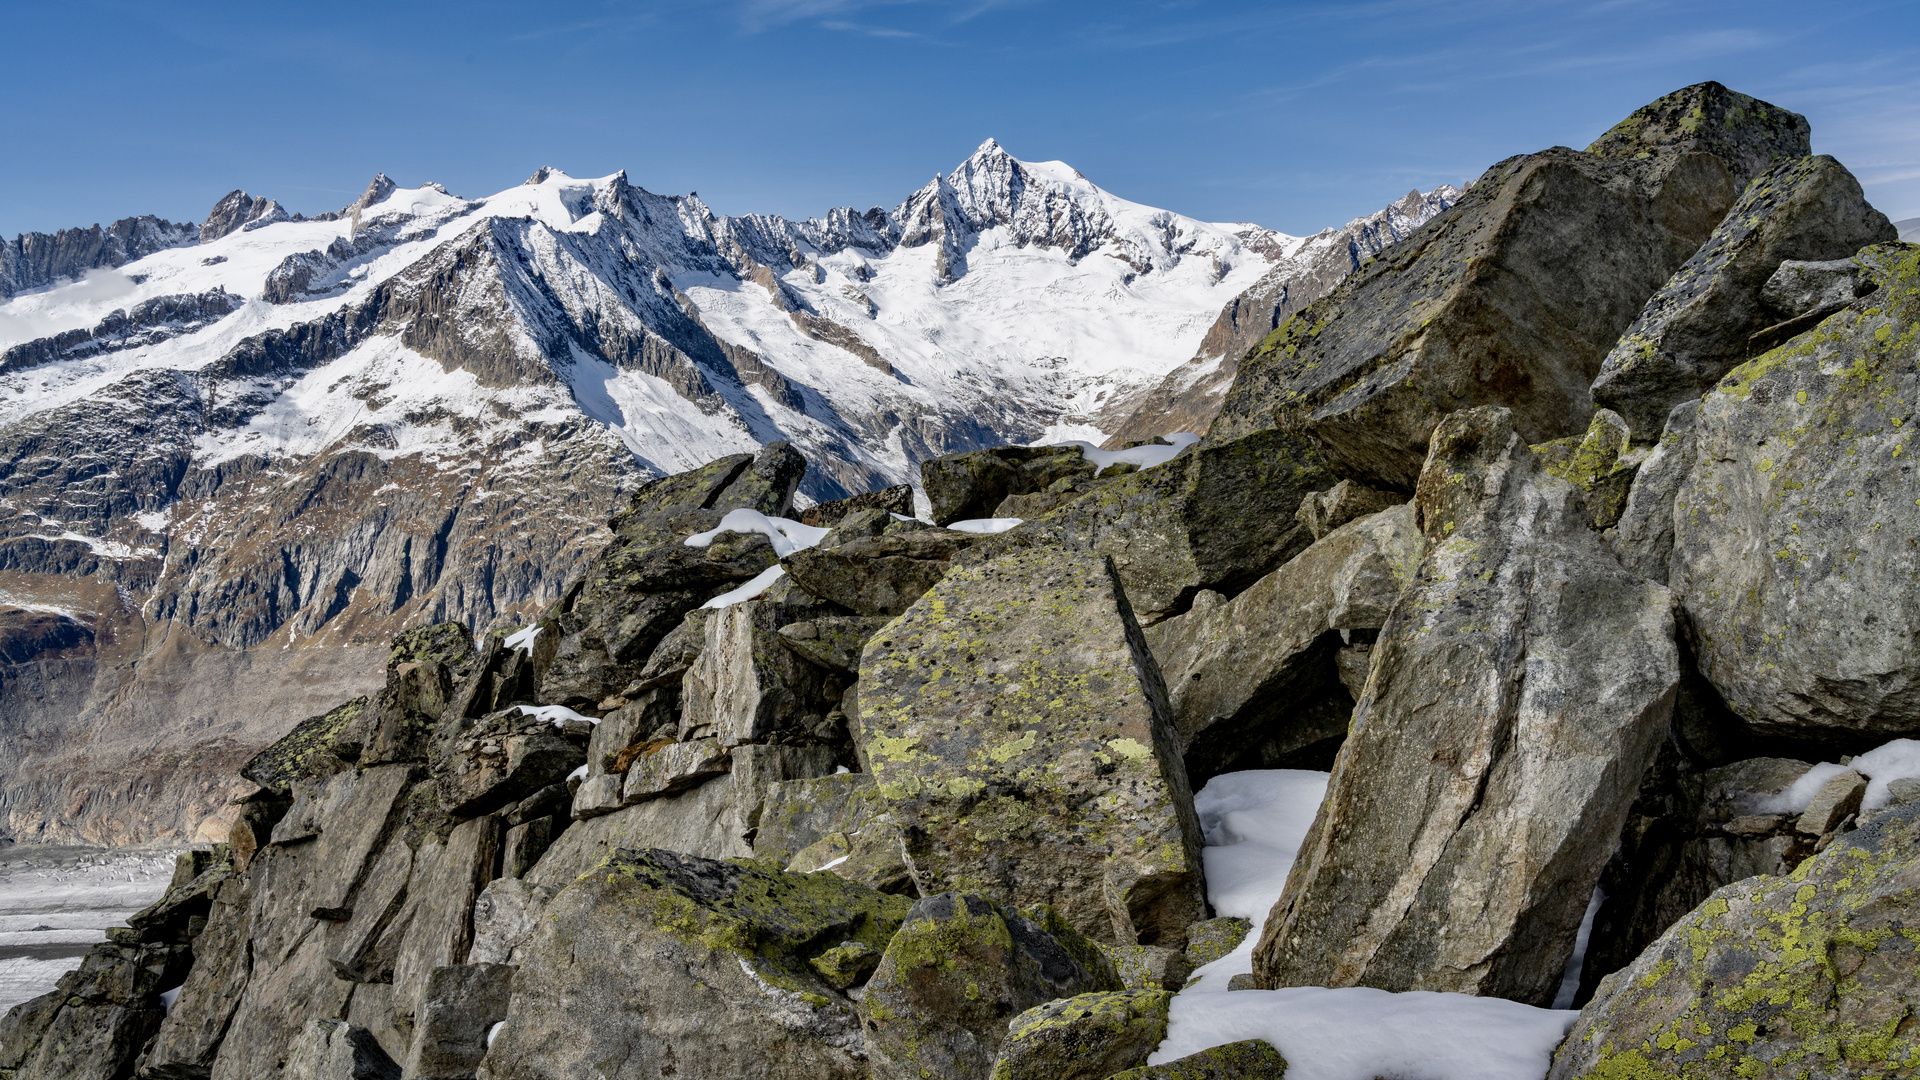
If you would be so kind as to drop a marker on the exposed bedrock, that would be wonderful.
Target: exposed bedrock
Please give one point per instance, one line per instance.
(1511, 297)
(1517, 692)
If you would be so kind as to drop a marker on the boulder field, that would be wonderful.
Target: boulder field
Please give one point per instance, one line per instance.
(1575, 535)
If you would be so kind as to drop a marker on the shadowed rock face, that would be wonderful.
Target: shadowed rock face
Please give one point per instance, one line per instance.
(34, 259)
(1518, 690)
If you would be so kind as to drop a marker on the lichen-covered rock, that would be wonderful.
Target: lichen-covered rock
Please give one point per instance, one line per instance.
(972, 484)
(1695, 329)
(1602, 464)
(1643, 536)
(835, 642)
(1518, 691)
(306, 752)
(1210, 940)
(1747, 134)
(1218, 516)
(1148, 967)
(655, 962)
(1252, 1059)
(1246, 677)
(959, 969)
(1806, 974)
(1016, 726)
(1085, 1037)
(1793, 549)
(878, 575)
(1689, 832)
(1324, 511)
(1511, 297)
(673, 768)
(96, 1020)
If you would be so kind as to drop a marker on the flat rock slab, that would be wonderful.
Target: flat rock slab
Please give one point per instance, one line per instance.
(1793, 545)
(661, 964)
(1810, 973)
(1016, 726)
(1518, 692)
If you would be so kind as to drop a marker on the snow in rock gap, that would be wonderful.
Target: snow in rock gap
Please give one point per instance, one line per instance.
(1570, 979)
(1254, 823)
(522, 638)
(1144, 457)
(558, 715)
(786, 535)
(984, 526)
(760, 583)
(1881, 766)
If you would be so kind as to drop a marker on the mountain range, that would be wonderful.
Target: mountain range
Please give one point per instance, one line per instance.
(237, 457)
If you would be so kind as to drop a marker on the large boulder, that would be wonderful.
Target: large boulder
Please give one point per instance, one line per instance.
(1793, 550)
(96, 1020)
(659, 964)
(1511, 297)
(1695, 329)
(1016, 725)
(1518, 691)
(959, 969)
(1252, 680)
(1218, 516)
(1805, 974)
(973, 484)
(1085, 1037)
(878, 575)
(336, 1050)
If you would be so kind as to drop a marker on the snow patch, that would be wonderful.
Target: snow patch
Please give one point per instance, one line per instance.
(1881, 766)
(985, 526)
(1145, 457)
(522, 639)
(557, 714)
(761, 583)
(787, 535)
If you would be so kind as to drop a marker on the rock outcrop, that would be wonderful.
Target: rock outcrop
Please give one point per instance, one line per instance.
(1017, 724)
(1696, 328)
(1517, 692)
(1511, 297)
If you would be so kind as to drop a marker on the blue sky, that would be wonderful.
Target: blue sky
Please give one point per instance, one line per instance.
(1293, 115)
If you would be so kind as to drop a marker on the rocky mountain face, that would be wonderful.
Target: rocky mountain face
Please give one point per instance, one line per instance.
(240, 456)
(868, 796)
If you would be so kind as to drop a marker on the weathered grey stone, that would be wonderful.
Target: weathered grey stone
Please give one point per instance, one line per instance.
(505, 916)
(597, 795)
(1792, 551)
(1805, 974)
(503, 758)
(299, 986)
(1695, 329)
(1251, 1059)
(22, 1028)
(354, 828)
(1817, 287)
(1017, 728)
(1748, 135)
(1511, 297)
(97, 1018)
(356, 952)
(1324, 511)
(755, 769)
(1838, 799)
(525, 843)
(897, 499)
(698, 822)
(972, 484)
(1688, 834)
(1244, 676)
(1085, 1037)
(879, 575)
(746, 686)
(1602, 463)
(1218, 516)
(306, 752)
(1518, 692)
(337, 1050)
(796, 814)
(1643, 538)
(189, 1037)
(646, 580)
(674, 768)
(658, 961)
(939, 1002)
(457, 1006)
(436, 927)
